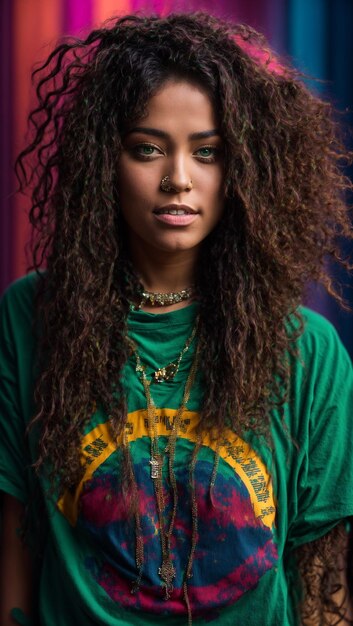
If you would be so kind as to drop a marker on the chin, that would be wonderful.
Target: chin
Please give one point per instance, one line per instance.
(177, 246)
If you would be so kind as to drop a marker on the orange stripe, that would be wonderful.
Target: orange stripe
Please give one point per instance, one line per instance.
(36, 27)
(105, 9)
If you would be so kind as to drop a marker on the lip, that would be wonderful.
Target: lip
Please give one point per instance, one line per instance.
(175, 207)
(176, 220)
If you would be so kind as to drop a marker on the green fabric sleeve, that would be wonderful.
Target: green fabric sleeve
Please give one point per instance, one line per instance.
(325, 477)
(13, 457)
(20, 618)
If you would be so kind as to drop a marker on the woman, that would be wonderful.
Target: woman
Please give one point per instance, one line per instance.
(175, 426)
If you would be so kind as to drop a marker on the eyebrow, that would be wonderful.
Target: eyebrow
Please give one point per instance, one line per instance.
(161, 133)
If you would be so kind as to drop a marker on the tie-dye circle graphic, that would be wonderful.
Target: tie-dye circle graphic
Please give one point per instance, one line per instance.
(235, 545)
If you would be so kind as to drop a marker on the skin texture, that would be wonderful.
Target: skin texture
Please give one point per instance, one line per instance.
(178, 109)
(15, 563)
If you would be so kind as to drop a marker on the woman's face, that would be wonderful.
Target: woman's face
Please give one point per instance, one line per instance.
(178, 138)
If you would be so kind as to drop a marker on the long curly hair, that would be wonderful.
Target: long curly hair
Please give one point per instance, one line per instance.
(285, 213)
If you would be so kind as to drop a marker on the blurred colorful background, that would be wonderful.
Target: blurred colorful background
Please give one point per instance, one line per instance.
(315, 35)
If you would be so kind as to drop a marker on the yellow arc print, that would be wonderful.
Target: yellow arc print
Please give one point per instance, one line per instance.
(98, 445)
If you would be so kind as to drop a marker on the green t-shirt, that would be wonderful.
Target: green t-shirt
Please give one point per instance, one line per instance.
(264, 504)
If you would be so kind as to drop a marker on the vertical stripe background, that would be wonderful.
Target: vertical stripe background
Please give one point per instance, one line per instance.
(7, 225)
(316, 34)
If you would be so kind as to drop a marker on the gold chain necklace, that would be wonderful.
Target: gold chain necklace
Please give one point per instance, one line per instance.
(169, 371)
(167, 569)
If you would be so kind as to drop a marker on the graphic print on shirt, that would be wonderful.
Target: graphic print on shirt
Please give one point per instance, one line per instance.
(235, 543)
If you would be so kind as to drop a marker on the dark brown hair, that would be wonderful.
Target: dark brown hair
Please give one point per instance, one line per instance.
(285, 212)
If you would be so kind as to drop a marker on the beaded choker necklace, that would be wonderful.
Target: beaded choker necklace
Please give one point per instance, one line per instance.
(153, 298)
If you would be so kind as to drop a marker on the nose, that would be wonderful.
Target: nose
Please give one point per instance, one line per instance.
(177, 179)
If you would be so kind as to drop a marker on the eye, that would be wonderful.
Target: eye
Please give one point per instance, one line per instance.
(146, 150)
(208, 153)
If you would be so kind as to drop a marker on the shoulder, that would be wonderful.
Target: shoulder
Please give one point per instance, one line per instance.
(22, 290)
(17, 306)
(322, 372)
(320, 339)
(316, 325)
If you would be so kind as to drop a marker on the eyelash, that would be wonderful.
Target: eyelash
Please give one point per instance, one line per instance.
(147, 157)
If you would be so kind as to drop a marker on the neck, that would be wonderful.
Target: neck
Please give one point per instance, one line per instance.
(163, 271)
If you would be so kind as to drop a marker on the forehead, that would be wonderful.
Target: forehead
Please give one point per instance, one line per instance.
(181, 103)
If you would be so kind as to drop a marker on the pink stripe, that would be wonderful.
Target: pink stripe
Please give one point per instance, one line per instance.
(77, 16)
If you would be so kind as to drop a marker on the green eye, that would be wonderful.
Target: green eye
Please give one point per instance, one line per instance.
(145, 149)
(206, 152)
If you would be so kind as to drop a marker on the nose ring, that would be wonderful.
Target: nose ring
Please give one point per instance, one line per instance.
(166, 185)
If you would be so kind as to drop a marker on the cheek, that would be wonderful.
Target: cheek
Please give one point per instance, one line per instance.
(214, 191)
(134, 187)
(213, 182)
(218, 199)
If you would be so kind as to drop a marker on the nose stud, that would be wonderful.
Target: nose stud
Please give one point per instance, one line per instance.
(166, 185)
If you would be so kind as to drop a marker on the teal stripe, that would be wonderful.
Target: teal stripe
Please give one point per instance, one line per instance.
(308, 30)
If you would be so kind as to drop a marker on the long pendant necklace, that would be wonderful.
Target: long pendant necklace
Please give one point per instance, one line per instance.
(167, 569)
(169, 371)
